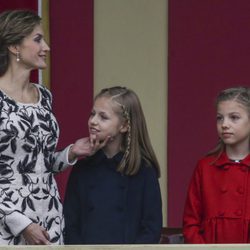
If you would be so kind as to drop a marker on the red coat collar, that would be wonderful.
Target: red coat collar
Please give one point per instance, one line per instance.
(224, 162)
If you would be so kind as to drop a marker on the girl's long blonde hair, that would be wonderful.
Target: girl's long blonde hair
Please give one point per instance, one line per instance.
(136, 144)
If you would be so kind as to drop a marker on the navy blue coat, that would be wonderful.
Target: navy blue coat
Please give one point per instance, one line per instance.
(102, 206)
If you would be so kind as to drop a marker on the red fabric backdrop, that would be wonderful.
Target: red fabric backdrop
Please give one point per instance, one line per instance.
(209, 48)
(71, 36)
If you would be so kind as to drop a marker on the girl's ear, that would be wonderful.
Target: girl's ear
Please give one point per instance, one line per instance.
(124, 127)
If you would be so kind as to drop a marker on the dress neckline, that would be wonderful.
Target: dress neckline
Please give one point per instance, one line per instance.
(23, 103)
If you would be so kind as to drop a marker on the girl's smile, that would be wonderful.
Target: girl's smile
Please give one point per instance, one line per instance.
(106, 121)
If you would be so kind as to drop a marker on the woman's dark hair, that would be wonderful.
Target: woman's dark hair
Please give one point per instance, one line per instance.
(15, 25)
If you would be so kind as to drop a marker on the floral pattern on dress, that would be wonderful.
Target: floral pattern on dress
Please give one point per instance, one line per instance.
(28, 191)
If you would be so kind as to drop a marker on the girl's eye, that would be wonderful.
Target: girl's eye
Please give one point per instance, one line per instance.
(235, 117)
(103, 117)
(92, 114)
(219, 118)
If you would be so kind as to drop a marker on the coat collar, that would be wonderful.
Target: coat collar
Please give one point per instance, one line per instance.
(100, 157)
(224, 162)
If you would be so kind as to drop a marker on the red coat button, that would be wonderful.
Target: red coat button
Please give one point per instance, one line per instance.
(238, 212)
(221, 213)
(244, 168)
(240, 190)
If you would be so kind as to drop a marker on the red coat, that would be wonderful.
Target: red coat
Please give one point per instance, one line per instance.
(217, 208)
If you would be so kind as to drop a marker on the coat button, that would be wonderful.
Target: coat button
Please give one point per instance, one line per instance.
(240, 190)
(223, 190)
(120, 209)
(238, 212)
(90, 208)
(92, 186)
(244, 168)
(221, 213)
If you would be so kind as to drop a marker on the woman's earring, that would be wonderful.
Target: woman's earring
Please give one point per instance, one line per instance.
(18, 56)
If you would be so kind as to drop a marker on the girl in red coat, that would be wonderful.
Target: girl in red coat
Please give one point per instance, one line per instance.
(217, 208)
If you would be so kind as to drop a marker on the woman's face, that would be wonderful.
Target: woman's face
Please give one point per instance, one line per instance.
(33, 50)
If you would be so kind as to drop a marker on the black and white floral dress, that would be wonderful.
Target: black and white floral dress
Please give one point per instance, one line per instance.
(28, 190)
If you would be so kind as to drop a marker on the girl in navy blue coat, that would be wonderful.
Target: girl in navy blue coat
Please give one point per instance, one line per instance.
(113, 197)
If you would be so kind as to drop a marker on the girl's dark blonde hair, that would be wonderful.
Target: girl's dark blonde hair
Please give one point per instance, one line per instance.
(136, 144)
(238, 94)
(15, 25)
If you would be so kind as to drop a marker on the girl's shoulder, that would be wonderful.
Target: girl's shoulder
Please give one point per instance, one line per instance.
(78, 170)
(147, 169)
(208, 159)
(89, 162)
(83, 164)
(206, 163)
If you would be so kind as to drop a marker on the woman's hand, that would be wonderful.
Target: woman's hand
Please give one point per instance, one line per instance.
(36, 235)
(86, 146)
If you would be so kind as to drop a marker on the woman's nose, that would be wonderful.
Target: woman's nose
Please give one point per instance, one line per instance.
(46, 46)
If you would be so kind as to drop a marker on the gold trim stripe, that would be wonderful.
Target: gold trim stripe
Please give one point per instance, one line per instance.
(45, 24)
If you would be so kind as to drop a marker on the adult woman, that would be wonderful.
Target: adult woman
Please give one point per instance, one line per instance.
(30, 208)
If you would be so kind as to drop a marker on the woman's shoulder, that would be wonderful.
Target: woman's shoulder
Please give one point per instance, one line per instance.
(45, 92)
(41, 86)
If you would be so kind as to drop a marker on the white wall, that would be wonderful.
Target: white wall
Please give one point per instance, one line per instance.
(130, 49)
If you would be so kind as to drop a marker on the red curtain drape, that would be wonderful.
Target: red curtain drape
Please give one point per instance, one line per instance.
(71, 36)
(17, 4)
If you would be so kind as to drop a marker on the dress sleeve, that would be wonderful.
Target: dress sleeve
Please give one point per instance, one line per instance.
(14, 220)
(61, 160)
(193, 211)
(72, 210)
(151, 223)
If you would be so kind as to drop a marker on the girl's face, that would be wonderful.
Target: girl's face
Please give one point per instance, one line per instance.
(33, 50)
(104, 121)
(233, 123)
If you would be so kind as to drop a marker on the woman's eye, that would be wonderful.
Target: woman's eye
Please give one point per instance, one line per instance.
(38, 39)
